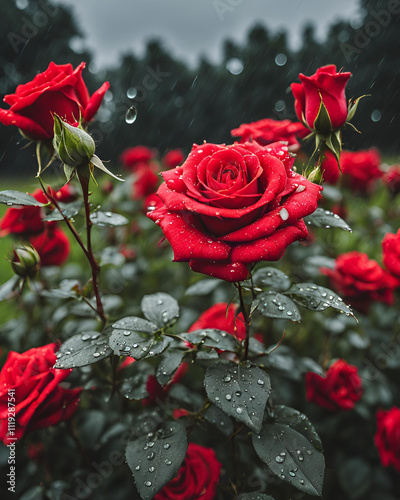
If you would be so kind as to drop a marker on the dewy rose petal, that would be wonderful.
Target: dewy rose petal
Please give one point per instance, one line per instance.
(227, 207)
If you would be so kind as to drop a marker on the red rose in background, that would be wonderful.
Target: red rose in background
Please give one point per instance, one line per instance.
(361, 168)
(391, 253)
(230, 206)
(217, 317)
(39, 400)
(329, 168)
(24, 220)
(387, 437)
(326, 86)
(61, 90)
(361, 280)
(131, 157)
(52, 245)
(267, 131)
(340, 389)
(392, 178)
(146, 180)
(197, 478)
(173, 158)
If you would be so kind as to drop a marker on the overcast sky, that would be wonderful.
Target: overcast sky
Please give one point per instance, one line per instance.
(194, 27)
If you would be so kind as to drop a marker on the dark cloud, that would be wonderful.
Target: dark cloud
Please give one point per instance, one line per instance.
(193, 27)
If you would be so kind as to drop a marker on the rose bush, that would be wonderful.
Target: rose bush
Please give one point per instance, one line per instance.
(228, 207)
(197, 478)
(60, 90)
(387, 437)
(361, 168)
(340, 389)
(40, 401)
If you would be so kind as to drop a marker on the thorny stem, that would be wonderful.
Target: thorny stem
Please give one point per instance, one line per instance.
(246, 321)
(84, 180)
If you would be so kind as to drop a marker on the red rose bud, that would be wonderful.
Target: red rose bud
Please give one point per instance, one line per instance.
(58, 90)
(361, 168)
(387, 437)
(361, 280)
(27, 263)
(267, 131)
(197, 478)
(173, 158)
(339, 390)
(40, 401)
(320, 100)
(228, 207)
(52, 246)
(391, 253)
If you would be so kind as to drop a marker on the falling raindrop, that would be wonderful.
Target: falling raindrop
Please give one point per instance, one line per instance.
(131, 115)
(281, 59)
(131, 93)
(376, 115)
(234, 66)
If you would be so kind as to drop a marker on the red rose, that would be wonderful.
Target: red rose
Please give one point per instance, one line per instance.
(229, 206)
(197, 478)
(61, 90)
(146, 180)
(24, 220)
(392, 179)
(131, 157)
(52, 245)
(340, 389)
(217, 317)
(361, 280)
(325, 86)
(387, 437)
(267, 131)
(329, 168)
(39, 399)
(173, 158)
(361, 168)
(391, 253)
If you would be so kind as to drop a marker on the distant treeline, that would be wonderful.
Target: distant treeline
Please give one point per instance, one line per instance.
(178, 105)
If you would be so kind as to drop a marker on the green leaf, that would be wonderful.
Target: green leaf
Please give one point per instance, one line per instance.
(313, 264)
(108, 219)
(161, 309)
(218, 418)
(7, 287)
(10, 197)
(137, 344)
(290, 447)
(254, 496)
(203, 287)
(212, 338)
(69, 210)
(135, 324)
(318, 298)
(326, 219)
(275, 305)
(269, 277)
(241, 391)
(155, 458)
(169, 363)
(135, 385)
(83, 349)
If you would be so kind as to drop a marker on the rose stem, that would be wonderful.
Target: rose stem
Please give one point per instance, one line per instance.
(84, 180)
(88, 252)
(246, 321)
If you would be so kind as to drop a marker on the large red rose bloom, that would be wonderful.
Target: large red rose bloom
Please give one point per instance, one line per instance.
(387, 437)
(227, 207)
(61, 90)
